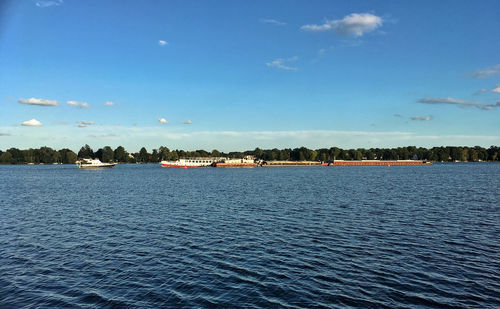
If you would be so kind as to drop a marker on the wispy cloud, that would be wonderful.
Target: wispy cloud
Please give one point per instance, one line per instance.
(4, 134)
(60, 123)
(482, 90)
(163, 121)
(187, 122)
(162, 43)
(109, 103)
(44, 4)
(280, 63)
(40, 102)
(242, 140)
(272, 21)
(84, 124)
(32, 123)
(421, 118)
(398, 115)
(78, 104)
(351, 25)
(493, 70)
(456, 102)
(104, 135)
(496, 89)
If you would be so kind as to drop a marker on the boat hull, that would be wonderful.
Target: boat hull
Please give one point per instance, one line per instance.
(89, 167)
(379, 163)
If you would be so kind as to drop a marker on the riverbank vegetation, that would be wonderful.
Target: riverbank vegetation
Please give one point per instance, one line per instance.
(47, 155)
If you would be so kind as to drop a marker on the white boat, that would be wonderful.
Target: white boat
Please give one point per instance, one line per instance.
(93, 163)
(190, 162)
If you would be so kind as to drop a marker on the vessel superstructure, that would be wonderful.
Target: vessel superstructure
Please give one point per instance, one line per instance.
(93, 164)
(188, 162)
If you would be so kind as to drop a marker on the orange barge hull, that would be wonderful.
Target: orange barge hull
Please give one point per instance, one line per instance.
(234, 164)
(379, 163)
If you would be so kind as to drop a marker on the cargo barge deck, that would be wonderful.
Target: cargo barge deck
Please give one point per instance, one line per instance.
(378, 163)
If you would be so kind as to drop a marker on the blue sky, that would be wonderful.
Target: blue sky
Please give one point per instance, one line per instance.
(236, 75)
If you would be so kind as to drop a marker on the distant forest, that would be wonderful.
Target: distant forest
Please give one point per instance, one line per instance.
(47, 155)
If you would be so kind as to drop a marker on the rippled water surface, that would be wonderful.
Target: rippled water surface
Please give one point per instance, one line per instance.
(296, 237)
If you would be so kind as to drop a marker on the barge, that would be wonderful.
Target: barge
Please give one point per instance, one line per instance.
(189, 162)
(292, 163)
(378, 162)
(247, 161)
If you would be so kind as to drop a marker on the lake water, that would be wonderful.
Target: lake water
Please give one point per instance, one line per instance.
(282, 237)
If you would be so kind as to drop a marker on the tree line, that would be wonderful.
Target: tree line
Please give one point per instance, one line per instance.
(47, 155)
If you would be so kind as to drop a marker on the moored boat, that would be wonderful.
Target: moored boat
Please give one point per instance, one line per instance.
(247, 161)
(189, 162)
(93, 164)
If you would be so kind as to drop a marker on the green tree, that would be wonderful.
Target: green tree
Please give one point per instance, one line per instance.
(86, 152)
(334, 153)
(163, 153)
(6, 158)
(108, 154)
(47, 155)
(369, 155)
(70, 157)
(63, 153)
(120, 154)
(355, 154)
(215, 153)
(17, 155)
(173, 155)
(143, 155)
(154, 156)
(29, 155)
(98, 154)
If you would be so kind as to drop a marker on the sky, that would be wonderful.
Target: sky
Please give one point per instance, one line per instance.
(235, 75)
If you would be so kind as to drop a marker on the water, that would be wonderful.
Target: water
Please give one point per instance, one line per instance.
(293, 237)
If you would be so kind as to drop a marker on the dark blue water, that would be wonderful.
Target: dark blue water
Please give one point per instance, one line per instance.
(282, 237)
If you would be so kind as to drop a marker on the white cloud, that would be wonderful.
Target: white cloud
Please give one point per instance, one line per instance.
(187, 122)
(163, 120)
(272, 21)
(40, 102)
(351, 25)
(496, 89)
(280, 63)
(109, 103)
(32, 123)
(456, 102)
(104, 135)
(162, 43)
(317, 28)
(44, 4)
(78, 104)
(84, 124)
(421, 118)
(493, 70)
(482, 90)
